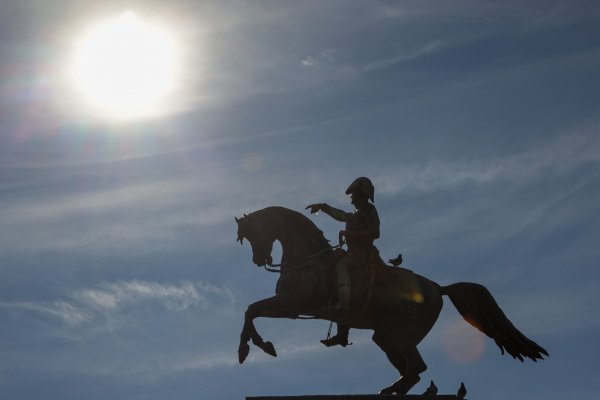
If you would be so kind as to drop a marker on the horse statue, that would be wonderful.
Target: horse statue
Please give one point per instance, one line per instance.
(398, 305)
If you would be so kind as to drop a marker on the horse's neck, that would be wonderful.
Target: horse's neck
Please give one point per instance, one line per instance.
(293, 247)
(290, 249)
(296, 245)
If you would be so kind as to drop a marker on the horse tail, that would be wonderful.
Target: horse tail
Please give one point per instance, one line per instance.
(477, 306)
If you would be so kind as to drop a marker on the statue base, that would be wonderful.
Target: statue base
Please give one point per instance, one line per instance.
(358, 397)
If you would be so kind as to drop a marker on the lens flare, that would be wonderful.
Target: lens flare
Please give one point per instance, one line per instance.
(462, 342)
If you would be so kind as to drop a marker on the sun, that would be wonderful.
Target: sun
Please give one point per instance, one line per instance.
(126, 67)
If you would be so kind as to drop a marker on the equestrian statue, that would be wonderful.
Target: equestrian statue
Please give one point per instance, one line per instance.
(355, 289)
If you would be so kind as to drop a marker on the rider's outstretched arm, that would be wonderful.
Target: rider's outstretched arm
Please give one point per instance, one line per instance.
(333, 212)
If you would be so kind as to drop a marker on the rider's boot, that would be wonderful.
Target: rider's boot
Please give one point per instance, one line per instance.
(341, 338)
(343, 304)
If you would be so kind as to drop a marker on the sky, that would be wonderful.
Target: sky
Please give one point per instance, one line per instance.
(477, 121)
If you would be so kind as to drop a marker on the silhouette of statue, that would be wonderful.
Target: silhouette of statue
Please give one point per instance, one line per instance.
(362, 228)
(398, 305)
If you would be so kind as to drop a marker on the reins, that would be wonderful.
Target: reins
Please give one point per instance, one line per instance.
(277, 267)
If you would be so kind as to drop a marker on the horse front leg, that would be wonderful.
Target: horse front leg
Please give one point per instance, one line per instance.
(271, 308)
(249, 332)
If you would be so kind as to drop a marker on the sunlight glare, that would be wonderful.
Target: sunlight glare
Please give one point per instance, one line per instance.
(126, 67)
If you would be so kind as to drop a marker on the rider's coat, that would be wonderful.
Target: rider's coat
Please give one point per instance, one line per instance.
(362, 228)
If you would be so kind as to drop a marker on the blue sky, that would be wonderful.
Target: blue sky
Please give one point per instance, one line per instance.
(477, 122)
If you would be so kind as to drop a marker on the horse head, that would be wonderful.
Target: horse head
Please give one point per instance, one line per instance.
(261, 239)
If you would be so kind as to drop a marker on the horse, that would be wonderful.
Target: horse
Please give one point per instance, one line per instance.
(399, 305)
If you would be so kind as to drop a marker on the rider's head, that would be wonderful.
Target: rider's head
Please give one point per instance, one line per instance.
(362, 190)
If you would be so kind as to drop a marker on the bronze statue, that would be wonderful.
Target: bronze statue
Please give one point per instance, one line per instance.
(397, 304)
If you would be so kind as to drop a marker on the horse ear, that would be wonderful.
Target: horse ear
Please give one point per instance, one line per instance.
(239, 238)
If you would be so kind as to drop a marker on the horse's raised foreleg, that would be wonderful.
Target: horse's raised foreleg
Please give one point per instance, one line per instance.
(270, 308)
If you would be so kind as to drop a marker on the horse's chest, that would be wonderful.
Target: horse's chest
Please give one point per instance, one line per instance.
(303, 284)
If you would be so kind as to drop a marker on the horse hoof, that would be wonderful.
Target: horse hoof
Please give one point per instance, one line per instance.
(401, 386)
(243, 352)
(269, 349)
(387, 390)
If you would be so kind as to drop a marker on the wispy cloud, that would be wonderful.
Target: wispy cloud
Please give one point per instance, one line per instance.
(547, 160)
(406, 55)
(174, 297)
(561, 156)
(62, 310)
(100, 219)
(155, 324)
(94, 202)
(107, 300)
(309, 61)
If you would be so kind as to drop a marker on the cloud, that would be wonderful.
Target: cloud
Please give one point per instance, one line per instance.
(108, 300)
(204, 362)
(559, 157)
(173, 297)
(405, 55)
(309, 61)
(541, 161)
(62, 310)
(325, 58)
(63, 206)
(115, 218)
(136, 328)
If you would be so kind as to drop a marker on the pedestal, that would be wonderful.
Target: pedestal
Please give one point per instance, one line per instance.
(357, 397)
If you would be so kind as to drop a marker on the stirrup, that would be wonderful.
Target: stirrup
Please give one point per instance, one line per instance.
(335, 340)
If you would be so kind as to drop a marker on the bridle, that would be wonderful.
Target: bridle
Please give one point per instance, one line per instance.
(277, 267)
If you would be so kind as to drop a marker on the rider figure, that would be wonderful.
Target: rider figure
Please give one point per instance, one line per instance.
(362, 228)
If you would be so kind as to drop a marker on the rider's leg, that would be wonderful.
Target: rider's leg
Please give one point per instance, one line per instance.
(343, 283)
(343, 301)
(343, 297)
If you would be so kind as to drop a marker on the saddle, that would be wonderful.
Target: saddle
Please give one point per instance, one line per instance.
(374, 281)
(362, 278)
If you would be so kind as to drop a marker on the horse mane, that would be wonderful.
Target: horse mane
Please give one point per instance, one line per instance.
(300, 224)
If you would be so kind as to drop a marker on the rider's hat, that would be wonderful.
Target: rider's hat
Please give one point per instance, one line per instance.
(362, 185)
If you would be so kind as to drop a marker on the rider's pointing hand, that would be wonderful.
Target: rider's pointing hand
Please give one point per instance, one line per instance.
(315, 208)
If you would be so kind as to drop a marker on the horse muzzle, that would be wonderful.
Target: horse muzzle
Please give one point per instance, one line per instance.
(262, 261)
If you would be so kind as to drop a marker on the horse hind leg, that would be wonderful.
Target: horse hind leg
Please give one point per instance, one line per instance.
(405, 358)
